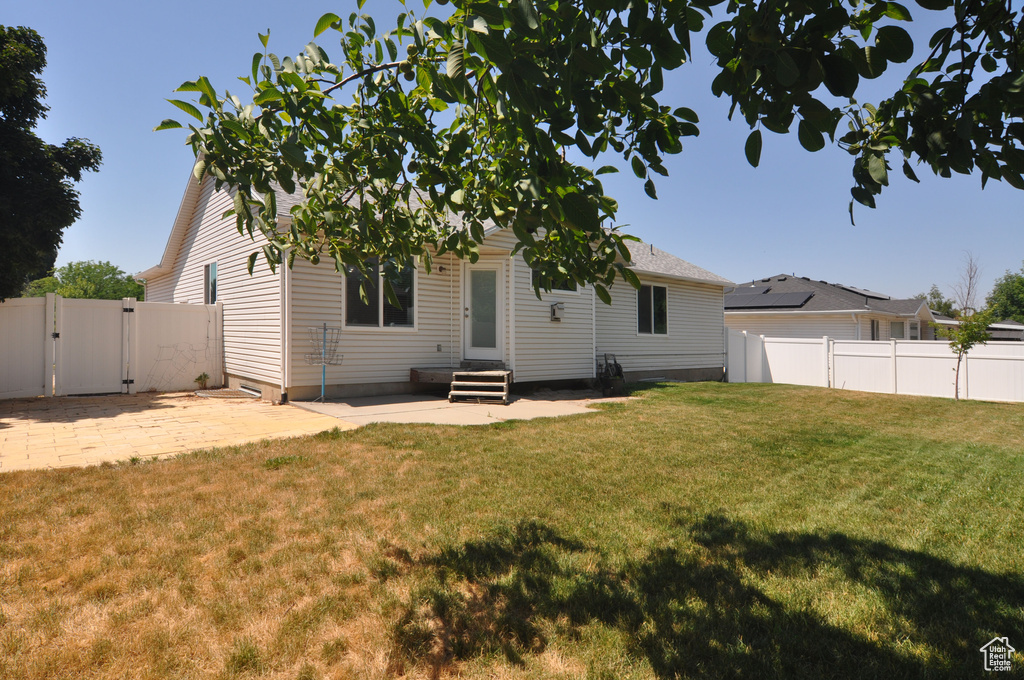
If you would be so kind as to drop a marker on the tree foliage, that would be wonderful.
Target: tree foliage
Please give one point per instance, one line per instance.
(422, 135)
(87, 279)
(1007, 297)
(37, 195)
(937, 302)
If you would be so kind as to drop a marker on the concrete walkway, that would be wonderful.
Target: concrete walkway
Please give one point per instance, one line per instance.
(431, 409)
(76, 431)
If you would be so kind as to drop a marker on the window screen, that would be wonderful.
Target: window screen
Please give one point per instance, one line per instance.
(357, 312)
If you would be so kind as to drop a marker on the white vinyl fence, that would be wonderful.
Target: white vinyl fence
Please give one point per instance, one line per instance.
(994, 371)
(55, 347)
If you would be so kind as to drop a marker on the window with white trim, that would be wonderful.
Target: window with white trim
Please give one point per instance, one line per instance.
(896, 330)
(377, 311)
(652, 310)
(210, 283)
(915, 330)
(876, 333)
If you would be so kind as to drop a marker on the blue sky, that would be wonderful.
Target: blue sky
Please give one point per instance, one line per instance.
(112, 64)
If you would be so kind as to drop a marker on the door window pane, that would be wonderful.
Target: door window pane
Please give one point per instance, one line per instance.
(483, 313)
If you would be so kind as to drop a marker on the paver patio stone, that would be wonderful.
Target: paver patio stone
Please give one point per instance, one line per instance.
(77, 431)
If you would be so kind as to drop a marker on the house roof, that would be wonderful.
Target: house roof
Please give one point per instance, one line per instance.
(646, 259)
(1007, 329)
(780, 294)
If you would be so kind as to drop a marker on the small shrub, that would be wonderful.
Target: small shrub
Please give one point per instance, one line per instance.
(202, 380)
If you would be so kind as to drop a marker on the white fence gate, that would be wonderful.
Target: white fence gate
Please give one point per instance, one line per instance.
(994, 371)
(55, 347)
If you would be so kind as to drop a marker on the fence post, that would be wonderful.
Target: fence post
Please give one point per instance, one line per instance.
(49, 342)
(129, 344)
(58, 316)
(824, 351)
(892, 352)
(831, 362)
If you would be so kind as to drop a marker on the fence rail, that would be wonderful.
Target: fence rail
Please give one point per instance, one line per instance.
(992, 372)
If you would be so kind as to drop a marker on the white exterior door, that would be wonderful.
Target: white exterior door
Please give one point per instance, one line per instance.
(484, 312)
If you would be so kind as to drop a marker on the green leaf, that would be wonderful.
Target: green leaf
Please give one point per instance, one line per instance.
(895, 43)
(602, 293)
(458, 196)
(877, 169)
(862, 196)
(650, 190)
(167, 124)
(720, 41)
(528, 14)
(896, 11)
(456, 61)
(264, 38)
(752, 148)
(630, 277)
(810, 138)
(187, 108)
(909, 172)
(324, 23)
(251, 262)
(638, 167)
(787, 71)
(606, 169)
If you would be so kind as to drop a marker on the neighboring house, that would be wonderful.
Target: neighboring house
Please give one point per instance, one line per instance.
(797, 307)
(1007, 330)
(485, 312)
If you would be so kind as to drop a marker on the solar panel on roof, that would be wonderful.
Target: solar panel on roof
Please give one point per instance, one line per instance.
(751, 290)
(866, 293)
(766, 300)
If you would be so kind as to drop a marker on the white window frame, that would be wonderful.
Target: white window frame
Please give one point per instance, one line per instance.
(381, 299)
(876, 329)
(653, 333)
(913, 328)
(903, 331)
(209, 267)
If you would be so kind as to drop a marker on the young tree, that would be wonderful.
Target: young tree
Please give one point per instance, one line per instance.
(421, 135)
(1007, 297)
(37, 195)
(87, 279)
(971, 330)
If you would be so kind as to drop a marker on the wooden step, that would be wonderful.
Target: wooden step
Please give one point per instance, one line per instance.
(480, 385)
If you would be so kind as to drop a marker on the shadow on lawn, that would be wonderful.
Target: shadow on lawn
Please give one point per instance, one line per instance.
(690, 612)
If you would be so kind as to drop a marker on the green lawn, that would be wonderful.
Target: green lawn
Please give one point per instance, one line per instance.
(703, 530)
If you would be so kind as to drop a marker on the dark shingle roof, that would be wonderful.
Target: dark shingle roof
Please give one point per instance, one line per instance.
(828, 297)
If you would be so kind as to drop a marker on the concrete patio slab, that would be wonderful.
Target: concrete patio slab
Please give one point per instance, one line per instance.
(77, 431)
(437, 410)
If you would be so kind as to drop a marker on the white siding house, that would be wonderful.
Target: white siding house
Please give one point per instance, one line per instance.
(486, 313)
(798, 307)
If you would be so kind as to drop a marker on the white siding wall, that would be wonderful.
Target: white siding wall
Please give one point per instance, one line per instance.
(695, 336)
(840, 327)
(370, 355)
(252, 304)
(546, 349)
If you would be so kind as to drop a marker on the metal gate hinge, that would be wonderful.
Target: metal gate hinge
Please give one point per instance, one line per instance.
(127, 382)
(129, 309)
(54, 335)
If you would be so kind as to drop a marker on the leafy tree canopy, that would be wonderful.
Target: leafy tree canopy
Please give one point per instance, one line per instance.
(389, 135)
(37, 196)
(1006, 301)
(938, 302)
(86, 279)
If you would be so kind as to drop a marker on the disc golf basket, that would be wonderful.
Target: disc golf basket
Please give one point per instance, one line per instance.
(324, 341)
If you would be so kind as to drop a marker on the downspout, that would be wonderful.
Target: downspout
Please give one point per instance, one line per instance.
(286, 325)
